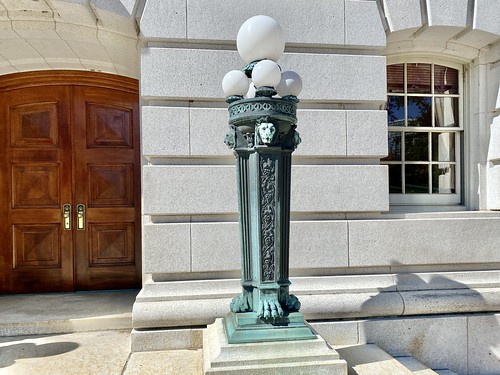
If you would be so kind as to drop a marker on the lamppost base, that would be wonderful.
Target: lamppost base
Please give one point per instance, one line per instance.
(297, 357)
(249, 328)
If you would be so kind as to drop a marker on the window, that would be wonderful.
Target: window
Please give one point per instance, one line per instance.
(425, 130)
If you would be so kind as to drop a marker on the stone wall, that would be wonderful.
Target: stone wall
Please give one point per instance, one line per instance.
(342, 225)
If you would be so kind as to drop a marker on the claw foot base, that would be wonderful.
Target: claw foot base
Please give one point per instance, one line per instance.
(248, 327)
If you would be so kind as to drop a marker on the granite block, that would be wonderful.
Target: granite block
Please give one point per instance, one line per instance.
(424, 241)
(437, 341)
(165, 131)
(166, 248)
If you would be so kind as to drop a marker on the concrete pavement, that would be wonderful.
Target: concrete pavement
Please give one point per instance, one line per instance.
(89, 353)
(80, 334)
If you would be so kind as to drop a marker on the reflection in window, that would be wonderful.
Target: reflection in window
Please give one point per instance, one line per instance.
(416, 146)
(443, 178)
(395, 78)
(446, 111)
(417, 178)
(443, 146)
(395, 179)
(396, 111)
(394, 146)
(445, 80)
(424, 129)
(418, 78)
(419, 111)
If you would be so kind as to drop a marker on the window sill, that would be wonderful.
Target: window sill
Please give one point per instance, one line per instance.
(431, 212)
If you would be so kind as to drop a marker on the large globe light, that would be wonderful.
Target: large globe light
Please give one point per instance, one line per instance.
(235, 82)
(260, 37)
(266, 73)
(290, 84)
(251, 91)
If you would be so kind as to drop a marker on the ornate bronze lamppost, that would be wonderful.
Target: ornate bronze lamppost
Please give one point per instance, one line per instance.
(262, 122)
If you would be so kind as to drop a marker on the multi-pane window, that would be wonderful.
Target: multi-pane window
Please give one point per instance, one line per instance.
(423, 110)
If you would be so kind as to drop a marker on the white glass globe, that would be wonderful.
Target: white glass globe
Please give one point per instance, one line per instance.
(266, 73)
(251, 91)
(290, 84)
(235, 82)
(260, 37)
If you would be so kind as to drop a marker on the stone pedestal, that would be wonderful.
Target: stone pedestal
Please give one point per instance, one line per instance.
(312, 356)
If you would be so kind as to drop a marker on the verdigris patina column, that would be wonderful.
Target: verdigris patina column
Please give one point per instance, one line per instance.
(262, 133)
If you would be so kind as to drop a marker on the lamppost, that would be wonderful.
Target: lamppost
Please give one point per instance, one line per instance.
(262, 121)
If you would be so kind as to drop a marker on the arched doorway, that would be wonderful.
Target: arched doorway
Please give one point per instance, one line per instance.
(70, 182)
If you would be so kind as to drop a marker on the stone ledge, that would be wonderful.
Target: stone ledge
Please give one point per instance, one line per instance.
(41, 314)
(110, 322)
(190, 303)
(369, 359)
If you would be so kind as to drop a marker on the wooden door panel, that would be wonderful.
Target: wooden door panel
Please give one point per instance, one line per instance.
(34, 124)
(36, 253)
(109, 126)
(74, 141)
(35, 184)
(111, 185)
(106, 182)
(112, 244)
(36, 246)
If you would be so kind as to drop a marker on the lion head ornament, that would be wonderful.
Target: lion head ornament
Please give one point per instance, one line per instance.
(266, 131)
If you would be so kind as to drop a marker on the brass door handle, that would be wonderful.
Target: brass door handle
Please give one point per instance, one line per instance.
(67, 216)
(80, 216)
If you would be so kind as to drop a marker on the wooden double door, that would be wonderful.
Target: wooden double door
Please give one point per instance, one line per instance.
(69, 173)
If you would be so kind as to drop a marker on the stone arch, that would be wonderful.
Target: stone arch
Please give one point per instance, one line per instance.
(458, 29)
(91, 35)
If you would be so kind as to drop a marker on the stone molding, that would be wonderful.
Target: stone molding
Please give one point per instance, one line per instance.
(318, 22)
(413, 14)
(195, 303)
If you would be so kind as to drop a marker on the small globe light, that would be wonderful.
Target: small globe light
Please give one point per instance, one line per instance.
(266, 73)
(251, 91)
(235, 82)
(290, 84)
(259, 38)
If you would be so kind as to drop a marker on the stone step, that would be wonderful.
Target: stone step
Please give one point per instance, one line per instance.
(420, 369)
(43, 314)
(369, 359)
(415, 366)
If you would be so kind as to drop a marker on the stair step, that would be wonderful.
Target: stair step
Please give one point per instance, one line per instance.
(369, 359)
(415, 366)
(445, 372)
(43, 314)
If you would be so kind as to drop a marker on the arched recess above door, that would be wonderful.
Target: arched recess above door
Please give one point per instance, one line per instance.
(68, 77)
(90, 35)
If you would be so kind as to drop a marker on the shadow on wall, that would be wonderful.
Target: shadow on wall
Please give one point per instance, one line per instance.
(9, 354)
(445, 338)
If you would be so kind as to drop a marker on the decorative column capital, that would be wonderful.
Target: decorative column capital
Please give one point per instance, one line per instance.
(263, 121)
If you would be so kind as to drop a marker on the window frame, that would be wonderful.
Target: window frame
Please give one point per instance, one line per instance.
(432, 199)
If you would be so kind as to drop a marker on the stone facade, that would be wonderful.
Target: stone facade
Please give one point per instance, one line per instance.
(420, 280)
(390, 260)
